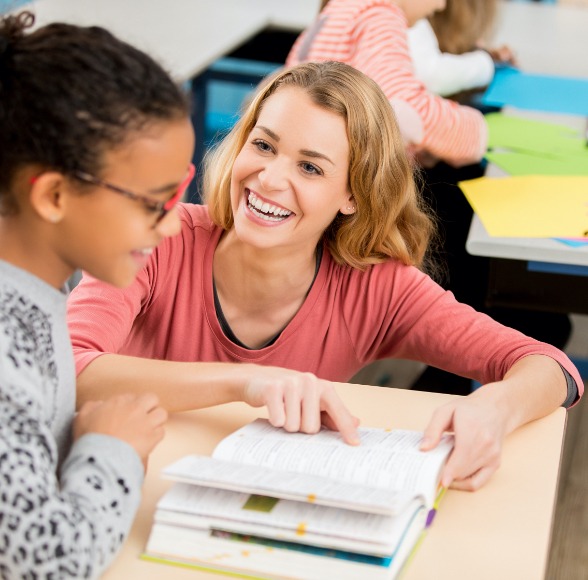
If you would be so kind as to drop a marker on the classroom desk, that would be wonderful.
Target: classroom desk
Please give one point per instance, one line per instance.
(532, 272)
(481, 243)
(186, 36)
(546, 38)
(501, 531)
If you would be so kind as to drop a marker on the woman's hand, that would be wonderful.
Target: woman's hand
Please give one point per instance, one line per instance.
(479, 428)
(300, 402)
(532, 388)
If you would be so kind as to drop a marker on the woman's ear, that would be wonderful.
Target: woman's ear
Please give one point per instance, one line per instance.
(45, 197)
(349, 207)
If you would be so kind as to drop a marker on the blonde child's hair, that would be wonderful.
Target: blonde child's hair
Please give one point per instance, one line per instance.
(460, 27)
(391, 220)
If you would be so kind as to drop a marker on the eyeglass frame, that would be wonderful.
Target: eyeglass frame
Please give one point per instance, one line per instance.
(162, 207)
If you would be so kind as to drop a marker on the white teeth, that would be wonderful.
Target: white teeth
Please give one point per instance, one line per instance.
(147, 251)
(265, 209)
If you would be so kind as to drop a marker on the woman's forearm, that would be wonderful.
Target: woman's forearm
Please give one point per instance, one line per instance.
(532, 388)
(180, 386)
(295, 400)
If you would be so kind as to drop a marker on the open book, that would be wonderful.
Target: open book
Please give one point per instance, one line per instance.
(271, 504)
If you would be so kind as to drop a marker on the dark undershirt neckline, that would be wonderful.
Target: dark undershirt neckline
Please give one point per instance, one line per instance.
(225, 327)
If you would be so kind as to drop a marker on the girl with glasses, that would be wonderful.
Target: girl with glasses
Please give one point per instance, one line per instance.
(309, 256)
(79, 111)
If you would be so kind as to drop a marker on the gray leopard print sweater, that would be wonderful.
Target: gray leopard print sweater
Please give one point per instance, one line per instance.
(64, 510)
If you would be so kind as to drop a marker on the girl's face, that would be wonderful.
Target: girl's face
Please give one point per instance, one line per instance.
(112, 236)
(289, 180)
(415, 10)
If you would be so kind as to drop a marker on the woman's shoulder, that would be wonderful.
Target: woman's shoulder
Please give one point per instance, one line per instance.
(387, 273)
(193, 215)
(196, 230)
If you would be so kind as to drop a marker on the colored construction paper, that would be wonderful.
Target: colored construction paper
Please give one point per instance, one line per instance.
(528, 135)
(529, 163)
(531, 206)
(555, 94)
(572, 242)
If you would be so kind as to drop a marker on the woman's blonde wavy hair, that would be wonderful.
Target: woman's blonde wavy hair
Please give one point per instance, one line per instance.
(391, 220)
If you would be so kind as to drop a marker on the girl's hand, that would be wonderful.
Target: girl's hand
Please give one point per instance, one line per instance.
(301, 402)
(136, 419)
(503, 54)
(479, 427)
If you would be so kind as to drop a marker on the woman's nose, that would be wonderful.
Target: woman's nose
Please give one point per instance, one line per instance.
(274, 175)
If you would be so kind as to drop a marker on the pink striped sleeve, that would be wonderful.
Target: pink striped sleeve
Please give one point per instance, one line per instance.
(451, 132)
(372, 36)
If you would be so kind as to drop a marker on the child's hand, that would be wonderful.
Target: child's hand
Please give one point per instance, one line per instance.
(503, 54)
(136, 419)
(301, 402)
(479, 429)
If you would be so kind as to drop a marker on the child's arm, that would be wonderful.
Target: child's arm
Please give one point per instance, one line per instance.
(444, 73)
(531, 389)
(450, 132)
(71, 527)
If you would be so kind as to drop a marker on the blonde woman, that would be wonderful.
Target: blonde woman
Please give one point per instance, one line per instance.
(307, 257)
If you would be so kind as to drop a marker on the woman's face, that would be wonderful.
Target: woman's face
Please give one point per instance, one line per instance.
(112, 236)
(290, 179)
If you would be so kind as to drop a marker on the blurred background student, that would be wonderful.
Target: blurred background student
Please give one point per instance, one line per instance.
(448, 49)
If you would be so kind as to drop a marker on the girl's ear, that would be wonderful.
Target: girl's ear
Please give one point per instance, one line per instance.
(349, 207)
(46, 199)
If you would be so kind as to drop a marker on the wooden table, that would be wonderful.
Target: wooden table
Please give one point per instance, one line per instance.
(501, 531)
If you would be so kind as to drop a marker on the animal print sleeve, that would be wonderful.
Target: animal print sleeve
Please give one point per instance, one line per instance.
(61, 529)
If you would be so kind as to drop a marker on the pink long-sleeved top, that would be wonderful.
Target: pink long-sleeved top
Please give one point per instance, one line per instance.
(371, 36)
(349, 318)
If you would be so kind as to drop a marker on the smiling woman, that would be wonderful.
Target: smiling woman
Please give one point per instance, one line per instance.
(307, 258)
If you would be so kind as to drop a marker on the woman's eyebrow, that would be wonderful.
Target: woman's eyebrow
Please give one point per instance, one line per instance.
(273, 135)
(305, 152)
(315, 154)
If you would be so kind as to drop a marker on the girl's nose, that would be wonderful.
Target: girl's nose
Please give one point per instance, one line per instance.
(170, 224)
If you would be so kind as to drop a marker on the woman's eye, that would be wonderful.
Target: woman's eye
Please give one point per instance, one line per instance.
(262, 145)
(311, 169)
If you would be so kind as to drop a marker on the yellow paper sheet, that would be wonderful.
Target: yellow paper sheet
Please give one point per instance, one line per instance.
(531, 206)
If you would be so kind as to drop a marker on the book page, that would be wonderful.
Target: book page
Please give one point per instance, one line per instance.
(284, 519)
(388, 459)
(211, 472)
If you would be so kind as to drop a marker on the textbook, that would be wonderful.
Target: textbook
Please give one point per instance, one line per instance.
(278, 505)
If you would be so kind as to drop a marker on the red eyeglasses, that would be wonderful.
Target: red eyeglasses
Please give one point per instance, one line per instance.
(159, 207)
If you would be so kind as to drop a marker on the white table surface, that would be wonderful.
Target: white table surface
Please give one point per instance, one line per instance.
(480, 243)
(547, 38)
(185, 36)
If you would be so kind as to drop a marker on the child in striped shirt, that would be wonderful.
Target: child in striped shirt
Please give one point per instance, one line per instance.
(371, 35)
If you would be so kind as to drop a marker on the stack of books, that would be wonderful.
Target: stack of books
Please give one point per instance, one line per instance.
(271, 504)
